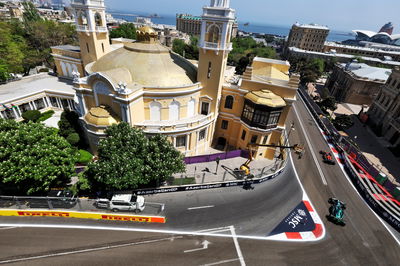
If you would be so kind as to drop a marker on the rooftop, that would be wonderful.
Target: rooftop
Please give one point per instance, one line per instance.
(365, 71)
(71, 48)
(32, 85)
(311, 26)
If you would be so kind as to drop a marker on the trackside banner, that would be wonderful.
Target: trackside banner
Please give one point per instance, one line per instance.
(83, 215)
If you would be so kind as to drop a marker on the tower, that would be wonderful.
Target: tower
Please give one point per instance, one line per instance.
(90, 18)
(214, 47)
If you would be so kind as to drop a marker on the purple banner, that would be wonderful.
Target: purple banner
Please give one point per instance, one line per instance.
(213, 157)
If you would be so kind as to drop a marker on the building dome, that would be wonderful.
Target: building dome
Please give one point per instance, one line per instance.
(265, 97)
(146, 29)
(100, 116)
(145, 64)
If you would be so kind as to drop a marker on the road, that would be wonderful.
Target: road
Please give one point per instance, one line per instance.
(363, 241)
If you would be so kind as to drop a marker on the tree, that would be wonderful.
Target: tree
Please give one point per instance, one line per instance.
(178, 46)
(127, 160)
(69, 125)
(30, 12)
(125, 30)
(4, 75)
(11, 47)
(31, 115)
(329, 103)
(343, 122)
(73, 139)
(33, 158)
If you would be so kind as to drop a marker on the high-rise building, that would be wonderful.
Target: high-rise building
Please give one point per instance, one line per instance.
(309, 37)
(188, 24)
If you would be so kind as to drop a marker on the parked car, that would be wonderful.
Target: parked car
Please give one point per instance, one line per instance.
(102, 203)
(126, 202)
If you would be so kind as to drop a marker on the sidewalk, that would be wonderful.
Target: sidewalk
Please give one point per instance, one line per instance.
(373, 149)
(227, 170)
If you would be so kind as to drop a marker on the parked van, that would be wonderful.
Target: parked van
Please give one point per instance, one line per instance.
(126, 202)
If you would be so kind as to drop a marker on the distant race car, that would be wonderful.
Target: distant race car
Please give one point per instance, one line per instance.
(336, 211)
(327, 158)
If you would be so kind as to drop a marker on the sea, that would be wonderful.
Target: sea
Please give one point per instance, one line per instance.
(279, 30)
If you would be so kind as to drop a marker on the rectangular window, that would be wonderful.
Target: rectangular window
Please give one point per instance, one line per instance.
(180, 141)
(265, 140)
(202, 134)
(274, 118)
(204, 108)
(102, 46)
(87, 47)
(254, 139)
(209, 70)
(224, 124)
(243, 134)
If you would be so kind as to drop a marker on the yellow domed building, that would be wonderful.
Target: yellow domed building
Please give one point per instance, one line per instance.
(196, 105)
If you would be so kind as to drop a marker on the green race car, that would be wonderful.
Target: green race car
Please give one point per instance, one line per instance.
(336, 211)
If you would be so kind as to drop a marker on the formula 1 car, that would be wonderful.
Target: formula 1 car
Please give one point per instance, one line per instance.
(336, 211)
(327, 158)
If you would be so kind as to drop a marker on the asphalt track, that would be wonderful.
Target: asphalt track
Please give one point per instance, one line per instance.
(363, 241)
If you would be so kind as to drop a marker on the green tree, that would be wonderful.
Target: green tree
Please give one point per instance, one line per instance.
(343, 122)
(4, 75)
(33, 158)
(178, 46)
(30, 12)
(127, 159)
(73, 139)
(329, 103)
(31, 115)
(11, 46)
(125, 30)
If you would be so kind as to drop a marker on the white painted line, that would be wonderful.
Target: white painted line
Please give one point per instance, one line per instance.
(311, 147)
(201, 207)
(218, 229)
(86, 250)
(219, 262)
(239, 252)
(205, 244)
(6, 228)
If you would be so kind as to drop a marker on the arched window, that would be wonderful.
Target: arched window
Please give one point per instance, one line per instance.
(98, 20)
(190, 108)
(82, 20)
(155, 111)
(69, 70)
(174, 110)
(229, 102)
(64, 69)
(213, 34)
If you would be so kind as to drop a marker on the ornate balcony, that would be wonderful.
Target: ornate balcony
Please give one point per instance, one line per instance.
(82, 28)
(101, 29)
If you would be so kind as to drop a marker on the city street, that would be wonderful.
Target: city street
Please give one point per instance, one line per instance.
(363, 241)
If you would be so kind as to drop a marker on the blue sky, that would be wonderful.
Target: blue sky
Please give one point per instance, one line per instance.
(337, 14)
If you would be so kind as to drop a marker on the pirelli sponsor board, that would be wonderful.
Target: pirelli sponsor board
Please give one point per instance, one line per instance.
(83, 215)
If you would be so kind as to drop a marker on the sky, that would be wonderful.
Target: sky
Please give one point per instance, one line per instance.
(336, 14)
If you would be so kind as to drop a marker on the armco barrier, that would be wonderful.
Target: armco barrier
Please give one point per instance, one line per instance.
(213, 157)
(345, 147)
(83, 215)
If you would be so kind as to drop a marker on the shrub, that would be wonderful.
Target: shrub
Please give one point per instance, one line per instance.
(32, 115)
(46, 115)
(85, 157)
(73, 139)
(44, 70)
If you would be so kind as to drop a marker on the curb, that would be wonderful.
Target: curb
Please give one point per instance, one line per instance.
(82, 215)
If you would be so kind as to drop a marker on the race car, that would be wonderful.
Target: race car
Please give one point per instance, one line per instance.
(336, 211)
(327, 158)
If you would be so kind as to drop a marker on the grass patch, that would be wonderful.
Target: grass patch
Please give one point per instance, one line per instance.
(183, 181)
(46, 115)
(85, 157)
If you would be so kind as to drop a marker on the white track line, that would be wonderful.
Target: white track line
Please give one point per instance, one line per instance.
(239, 252)
(311, 147)
(7, 228)
(85, 250)
(219, 262)
(201, 207)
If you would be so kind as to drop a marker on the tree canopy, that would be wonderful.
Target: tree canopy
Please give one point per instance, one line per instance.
(245, 49)
(33, 158)
(189, 51)
(128, 159)
(125, 30)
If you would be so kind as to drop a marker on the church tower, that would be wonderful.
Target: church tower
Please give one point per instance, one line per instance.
(90, 18)
(214, 47)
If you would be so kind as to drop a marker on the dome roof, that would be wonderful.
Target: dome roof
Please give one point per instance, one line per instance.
(265, 97)
(100, 116)
(146, 64)
(146, 29)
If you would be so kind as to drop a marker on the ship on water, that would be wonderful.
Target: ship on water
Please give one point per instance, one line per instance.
(246, 24)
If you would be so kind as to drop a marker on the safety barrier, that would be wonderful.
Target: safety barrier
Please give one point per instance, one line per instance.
(83, 215)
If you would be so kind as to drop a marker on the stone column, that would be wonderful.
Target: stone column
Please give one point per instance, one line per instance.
(59, 103)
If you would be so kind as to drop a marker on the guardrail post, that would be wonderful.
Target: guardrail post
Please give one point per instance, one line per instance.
(17, 202)
(49, 203)
(202, 180)
(223, 178)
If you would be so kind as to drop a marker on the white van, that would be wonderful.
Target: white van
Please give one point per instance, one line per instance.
(126, 202)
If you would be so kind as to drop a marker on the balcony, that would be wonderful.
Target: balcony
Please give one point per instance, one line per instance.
(216, 46)
(101, 29)
(82, 28)
(395, 123)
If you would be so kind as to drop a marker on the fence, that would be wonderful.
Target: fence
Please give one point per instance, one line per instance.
(213, 157)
